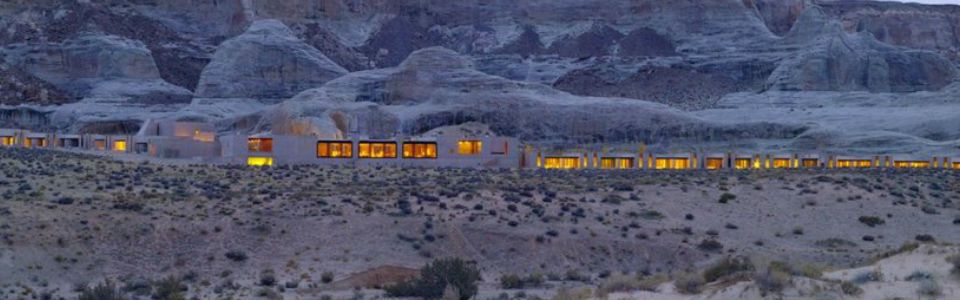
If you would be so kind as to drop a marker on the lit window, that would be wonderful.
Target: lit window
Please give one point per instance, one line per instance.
(616, 163)
(469, 147)
(259, 161)
(120, 145)
(100, 144)
(7, 140)
(956, 165)
(335, 149)
(854, 163)
(742, 163)
(781, 163)
(27, 142)
(911, 164)
(260, 144)
(672, 163)
(810, 163)
(377, 150)
(561, 162)
(714, 163)
(419, 150)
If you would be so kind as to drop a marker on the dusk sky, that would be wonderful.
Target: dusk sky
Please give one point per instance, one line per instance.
(933, 1)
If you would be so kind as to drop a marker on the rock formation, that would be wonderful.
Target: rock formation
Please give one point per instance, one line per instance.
(265, 62)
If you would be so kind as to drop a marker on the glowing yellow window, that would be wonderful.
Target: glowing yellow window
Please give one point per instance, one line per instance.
(259, 161)
(260, 144)
(334, 149)
(6, 140)
(742, 163)
(100, 144)
(809, 163)
(561, 162)
(781, 163)
(28, 143)
(911, 164)
(120, 145)
(956, 165)
(377, 150)
(854, 163)
(469, 147)
(714, 163)
(672, 163)
(419, 150)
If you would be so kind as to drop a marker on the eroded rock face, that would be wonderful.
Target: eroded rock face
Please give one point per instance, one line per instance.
(458, 94)
(830, 59)
(265, 62)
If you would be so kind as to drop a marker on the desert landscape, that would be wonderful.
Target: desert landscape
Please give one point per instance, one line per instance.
(309, 232)
(197, 149)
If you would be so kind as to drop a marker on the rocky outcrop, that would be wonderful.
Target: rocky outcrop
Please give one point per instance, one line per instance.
(265, 62)
(829, 59)
(94, 65)
(436, 87)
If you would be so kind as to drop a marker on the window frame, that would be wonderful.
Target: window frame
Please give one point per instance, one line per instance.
(259, 146)
(414, 152)
(370, 150)
(349, 151)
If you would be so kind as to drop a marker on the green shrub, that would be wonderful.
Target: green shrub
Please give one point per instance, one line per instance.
(850, 289)
(326, 277)
(169, 288)
(511, 281)
(726, 197)
(103, 291)
(690, 284)
(435, 277)
(727, 266)
(871, 221)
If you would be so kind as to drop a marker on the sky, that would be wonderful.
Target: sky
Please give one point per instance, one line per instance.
(932, 1)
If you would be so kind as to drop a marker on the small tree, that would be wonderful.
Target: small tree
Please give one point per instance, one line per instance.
(437, 276)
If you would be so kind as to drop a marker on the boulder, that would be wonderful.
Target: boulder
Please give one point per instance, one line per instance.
(266, 62)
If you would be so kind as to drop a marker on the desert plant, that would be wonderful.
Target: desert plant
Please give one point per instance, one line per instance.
(581, 293)
(436, 276)
(725, 267)
(771, 280)
(168, 288)
(850, 289)
(871, 221)
(619, 283)
(929, 288)
(103, 291)
(518, 282)
(726, 197)
(955, 261)
(690, 283)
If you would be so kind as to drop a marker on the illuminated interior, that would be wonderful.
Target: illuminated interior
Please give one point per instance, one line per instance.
(27, 143)
(100, 144)
(120, 145)
(956, 165)
(259, 161)
(561, 162)
(260, 144)
(854, 163)
(916, 164)
(377, 150)
(672, 163)
(781, 163)
(419, 150)
(809, 163)
(334, 149)
(7, 140)
(616, 163)
(742, 163)
(714, 163)
(469, 147)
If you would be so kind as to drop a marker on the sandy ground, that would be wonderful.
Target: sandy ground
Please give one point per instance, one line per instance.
(69, 219)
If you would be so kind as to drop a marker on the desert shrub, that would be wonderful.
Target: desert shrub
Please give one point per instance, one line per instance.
(710, 246)
(103, 291)
(690, 284)
(511, 281)
(435, 277)
(651, 283)
(868, 276)
(169, 288)
(771, 280)
(615, 284)
(580, 293)
(326, 277)
(871, 221)
(929, 288)
(727, 197)
(236, 255)
(918, 275)
(955, 261)
(725, 267)
(850, 289)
